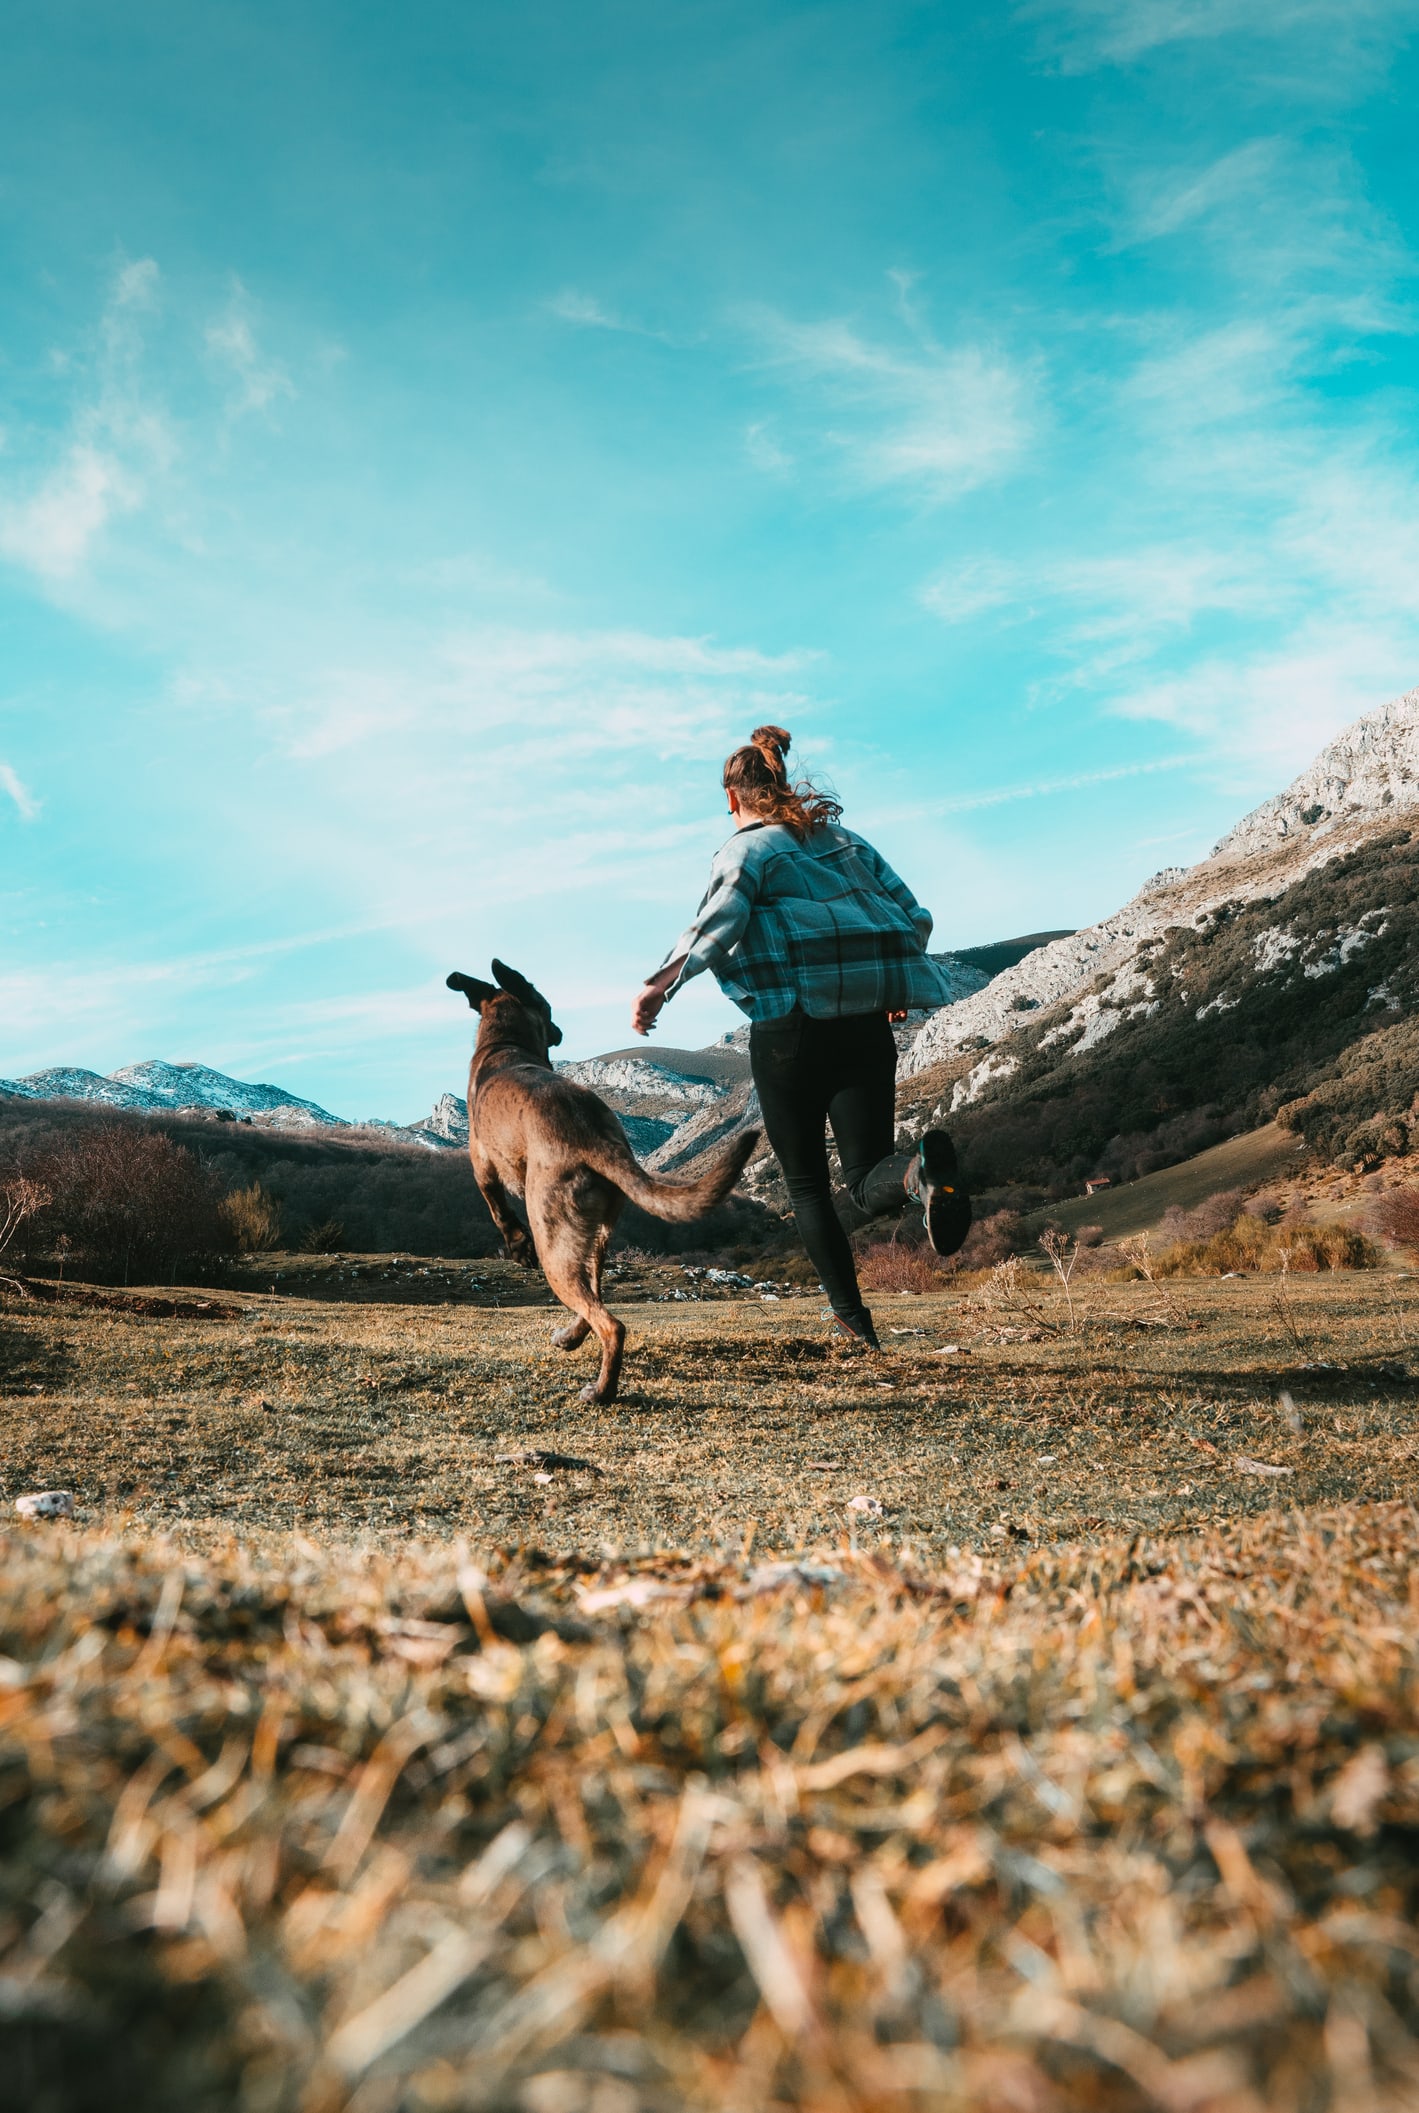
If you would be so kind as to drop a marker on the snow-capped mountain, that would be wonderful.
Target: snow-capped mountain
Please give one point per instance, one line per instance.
(196, 1086)
(156, 1087)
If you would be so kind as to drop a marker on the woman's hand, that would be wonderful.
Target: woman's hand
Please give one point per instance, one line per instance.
(647, 1007)
(651, 995)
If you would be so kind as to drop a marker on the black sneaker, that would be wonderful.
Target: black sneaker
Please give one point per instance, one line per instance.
(858, 1328)
(945, 1206)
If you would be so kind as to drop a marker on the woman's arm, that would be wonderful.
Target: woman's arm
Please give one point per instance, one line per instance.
(651, 996)
(718, 925)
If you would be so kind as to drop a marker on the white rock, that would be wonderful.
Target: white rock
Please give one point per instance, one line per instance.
(871, 1505)
(46, 1504)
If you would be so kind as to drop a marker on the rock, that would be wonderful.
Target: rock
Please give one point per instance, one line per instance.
(449, 1118)
(1368, 771)
(46, 1504)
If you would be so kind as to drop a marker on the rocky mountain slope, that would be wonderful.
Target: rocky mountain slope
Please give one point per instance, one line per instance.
(1279, 974)
(1367, 776)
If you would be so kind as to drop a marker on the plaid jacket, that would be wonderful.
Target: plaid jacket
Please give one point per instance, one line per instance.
(824, 925)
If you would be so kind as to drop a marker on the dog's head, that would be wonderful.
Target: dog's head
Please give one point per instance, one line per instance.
(515, 1006)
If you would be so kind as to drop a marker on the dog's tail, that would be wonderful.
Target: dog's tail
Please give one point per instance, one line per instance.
(675, 1199)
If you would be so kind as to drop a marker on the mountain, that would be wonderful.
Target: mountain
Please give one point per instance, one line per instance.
(1277, 977)
(195, 1086)
(156, 1087)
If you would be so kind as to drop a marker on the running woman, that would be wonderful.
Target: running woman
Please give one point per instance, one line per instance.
(810, 932)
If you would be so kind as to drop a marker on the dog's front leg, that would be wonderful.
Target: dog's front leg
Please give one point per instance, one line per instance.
(516, 1240)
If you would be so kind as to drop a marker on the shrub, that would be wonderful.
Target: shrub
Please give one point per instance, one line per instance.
(1251, 1245)
(991, 1240)
(1396, 1218)
(129, 1201)
(253, 1218)
(20, 1200)
(327, 1238)
(888, 1265)
(1216, 1214)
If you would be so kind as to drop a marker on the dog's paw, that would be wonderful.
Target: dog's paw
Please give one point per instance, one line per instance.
(520, 1249)
(570, 1338)
(592, 1395)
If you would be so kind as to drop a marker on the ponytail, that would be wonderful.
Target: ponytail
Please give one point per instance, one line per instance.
(759, 774)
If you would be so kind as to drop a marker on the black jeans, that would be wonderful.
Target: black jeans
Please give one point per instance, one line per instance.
(810, 1073)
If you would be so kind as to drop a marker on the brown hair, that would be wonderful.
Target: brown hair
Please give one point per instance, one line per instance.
(758, 773)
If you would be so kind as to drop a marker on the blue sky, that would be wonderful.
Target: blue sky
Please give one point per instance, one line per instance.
(432, 436)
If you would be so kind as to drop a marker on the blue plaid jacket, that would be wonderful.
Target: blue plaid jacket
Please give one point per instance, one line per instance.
(824, 925)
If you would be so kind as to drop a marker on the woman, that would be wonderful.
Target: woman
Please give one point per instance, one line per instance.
(812, 934)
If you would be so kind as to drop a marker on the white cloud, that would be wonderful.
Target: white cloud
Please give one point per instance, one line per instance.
(1084, 33)
(1272, 708)
(258, 382)
(582, 308)
(51, 532)
(585, 693)
(585, 312)
(937, 420)
(961, 592)
(1165, 203)
(764, 451)
(116, 438)
(1043, 788)
(25, 802)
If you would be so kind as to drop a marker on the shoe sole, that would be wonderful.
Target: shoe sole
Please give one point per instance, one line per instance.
(947, 1208)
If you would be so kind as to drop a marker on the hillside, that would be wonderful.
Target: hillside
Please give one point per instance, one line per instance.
(1293, 1000)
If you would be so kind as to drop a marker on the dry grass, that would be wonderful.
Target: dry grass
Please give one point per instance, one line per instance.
(384, 1418)
(1253, 1246)
(667, 1792)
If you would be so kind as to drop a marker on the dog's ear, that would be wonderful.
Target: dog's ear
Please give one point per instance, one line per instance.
(518, 986)
(476, 992)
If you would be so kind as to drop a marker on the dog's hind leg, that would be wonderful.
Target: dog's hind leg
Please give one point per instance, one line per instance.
(572, 1336)
(571, 1234)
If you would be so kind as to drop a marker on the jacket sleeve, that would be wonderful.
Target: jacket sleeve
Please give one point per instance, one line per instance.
(721, 920)
(892, 884)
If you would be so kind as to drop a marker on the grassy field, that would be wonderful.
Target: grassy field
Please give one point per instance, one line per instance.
(1241, 1163)
(354, 1754)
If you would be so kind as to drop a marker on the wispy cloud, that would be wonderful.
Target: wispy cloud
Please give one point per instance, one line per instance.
(115, 438)
(606, 693)
(938, 420)
(256, 381)
(25, 802)
(961, 592)
(585, 312)
(1045, 788)
(1084, 33)
(1271, 708)
(764, 451)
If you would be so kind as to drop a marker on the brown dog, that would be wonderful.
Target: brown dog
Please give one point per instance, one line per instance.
(563, 1151)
